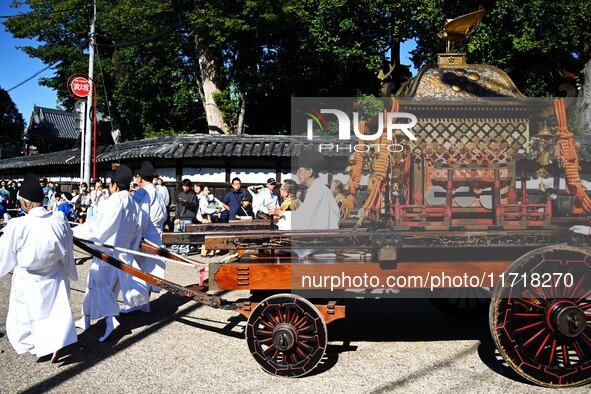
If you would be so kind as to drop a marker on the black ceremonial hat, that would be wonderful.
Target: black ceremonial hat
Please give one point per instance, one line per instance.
(310, 158)
(31, 189)
(123, 175)
(147, 171)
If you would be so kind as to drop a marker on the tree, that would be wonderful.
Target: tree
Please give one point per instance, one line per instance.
(140, 85)
(533, 41)
(12, 123)
(151, 68)
(180, 66)
(166, 64)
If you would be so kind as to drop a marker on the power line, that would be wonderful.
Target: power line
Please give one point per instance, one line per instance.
(33, 76)
(41, 13)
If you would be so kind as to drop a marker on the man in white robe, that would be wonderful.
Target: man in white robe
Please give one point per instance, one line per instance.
(117, 224)
(38, 248)
(319, 211)
(153, 212)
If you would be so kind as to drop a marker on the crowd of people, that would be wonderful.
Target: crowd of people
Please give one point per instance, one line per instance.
(78, 205)
(8, 197)
(38, 247)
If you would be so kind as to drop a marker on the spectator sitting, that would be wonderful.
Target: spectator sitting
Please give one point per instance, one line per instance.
(63, 205)
(267, 198)
(254, 191)
(233, 199)
(245, 212)
(198, 189)
(210, 208)
(288, 191)
(336, 187)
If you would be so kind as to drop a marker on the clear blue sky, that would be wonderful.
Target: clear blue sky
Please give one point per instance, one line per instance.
(16, 66)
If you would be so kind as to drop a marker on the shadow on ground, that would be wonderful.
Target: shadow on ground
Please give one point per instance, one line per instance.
(368, 320)
(85, 353)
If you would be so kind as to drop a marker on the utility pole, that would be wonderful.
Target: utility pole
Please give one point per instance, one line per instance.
(80, 125)
(89, 122)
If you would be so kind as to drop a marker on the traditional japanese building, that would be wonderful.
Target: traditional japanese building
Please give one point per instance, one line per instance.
(49, 130)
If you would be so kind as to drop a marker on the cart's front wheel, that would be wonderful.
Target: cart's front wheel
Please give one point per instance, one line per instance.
(540, 316)
(286, 335)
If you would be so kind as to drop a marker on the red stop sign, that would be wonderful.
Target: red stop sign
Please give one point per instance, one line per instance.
(80, 86)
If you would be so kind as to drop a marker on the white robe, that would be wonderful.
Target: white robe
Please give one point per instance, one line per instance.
(319, 211)
(39, 248)
(117, 224)
(153, 211)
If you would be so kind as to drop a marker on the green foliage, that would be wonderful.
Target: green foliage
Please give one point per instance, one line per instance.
(150, 133)
(575, 124)
(12, 124)
(268, 51)
(530, 40)
(369, 107)
(229, 104)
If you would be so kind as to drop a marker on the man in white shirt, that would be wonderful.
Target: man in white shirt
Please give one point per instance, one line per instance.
(266, 198)
(163, 191)
(319, 211)
(39, 248)
(118, 224)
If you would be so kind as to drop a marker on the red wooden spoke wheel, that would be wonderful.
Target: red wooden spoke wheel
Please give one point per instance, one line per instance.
(286, 334)
(540, 316)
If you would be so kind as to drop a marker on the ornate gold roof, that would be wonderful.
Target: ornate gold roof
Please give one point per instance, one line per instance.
(452, 79)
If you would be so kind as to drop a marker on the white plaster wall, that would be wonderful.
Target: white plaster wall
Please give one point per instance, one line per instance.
(204, 175)
(251, 175)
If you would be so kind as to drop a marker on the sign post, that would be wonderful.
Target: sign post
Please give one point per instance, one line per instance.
(81, 86)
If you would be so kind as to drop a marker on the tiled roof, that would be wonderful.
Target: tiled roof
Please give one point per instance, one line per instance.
(184, 146)
(52, 123)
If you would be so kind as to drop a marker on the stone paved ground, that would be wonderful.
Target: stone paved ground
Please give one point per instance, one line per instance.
(384, 345)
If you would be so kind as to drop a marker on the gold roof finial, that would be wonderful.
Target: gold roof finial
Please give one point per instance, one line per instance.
(460, 28)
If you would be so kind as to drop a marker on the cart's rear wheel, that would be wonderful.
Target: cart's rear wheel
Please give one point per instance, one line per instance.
(540, 316)
(286, 334)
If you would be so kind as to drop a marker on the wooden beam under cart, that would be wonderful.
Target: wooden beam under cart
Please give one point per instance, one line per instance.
(351, 239)
(242, 225)
(282, 276)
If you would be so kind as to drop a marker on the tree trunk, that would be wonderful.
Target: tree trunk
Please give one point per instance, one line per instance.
(210, 65)
(584, 100)
(241, 114)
